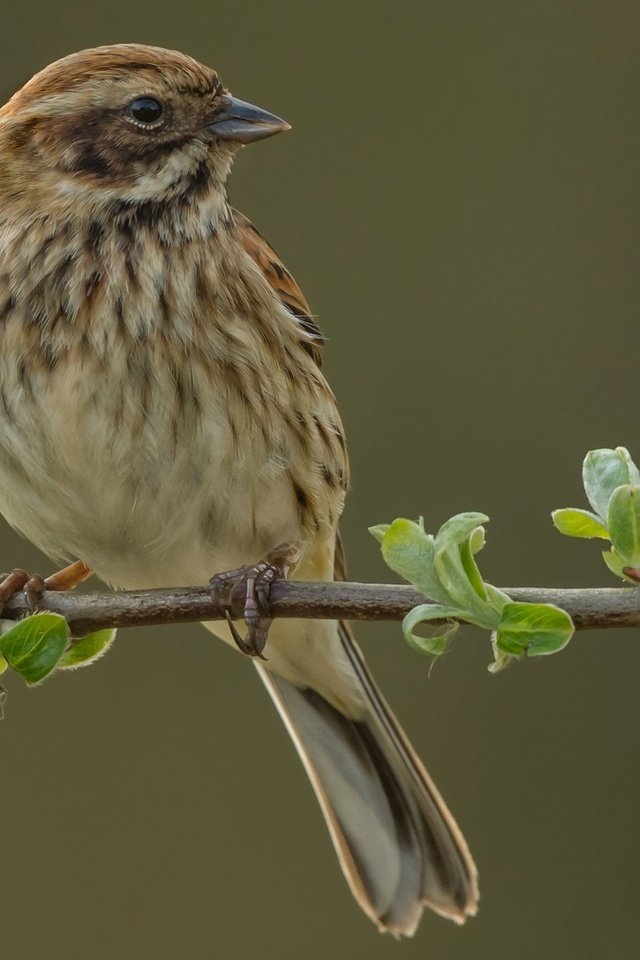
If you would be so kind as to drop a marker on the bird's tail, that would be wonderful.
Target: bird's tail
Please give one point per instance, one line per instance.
(399, 847)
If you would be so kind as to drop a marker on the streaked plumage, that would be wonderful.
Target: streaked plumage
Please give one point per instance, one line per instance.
(163, 416)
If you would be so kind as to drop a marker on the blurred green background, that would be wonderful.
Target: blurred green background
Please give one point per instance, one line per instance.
(459, 201)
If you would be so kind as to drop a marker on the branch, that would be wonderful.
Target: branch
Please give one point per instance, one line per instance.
(86, 612)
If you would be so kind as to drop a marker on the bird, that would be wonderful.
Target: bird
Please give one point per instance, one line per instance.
(164, 415)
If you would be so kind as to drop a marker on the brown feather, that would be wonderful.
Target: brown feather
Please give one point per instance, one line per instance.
(280, 280)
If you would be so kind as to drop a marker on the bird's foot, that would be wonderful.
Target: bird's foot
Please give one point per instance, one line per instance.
(33, 585)
(256, 581)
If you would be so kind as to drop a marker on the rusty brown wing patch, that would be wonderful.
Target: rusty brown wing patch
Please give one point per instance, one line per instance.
(281, 281)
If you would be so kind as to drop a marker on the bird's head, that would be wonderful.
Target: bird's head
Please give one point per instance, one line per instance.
(127, 121)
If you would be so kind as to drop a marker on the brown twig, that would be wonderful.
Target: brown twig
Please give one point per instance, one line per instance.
(85, 612)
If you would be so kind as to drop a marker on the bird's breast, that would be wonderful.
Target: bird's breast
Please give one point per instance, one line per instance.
(157, 421)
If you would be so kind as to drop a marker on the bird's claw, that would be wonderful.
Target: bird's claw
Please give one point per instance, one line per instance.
(257, 582)
(31, 585)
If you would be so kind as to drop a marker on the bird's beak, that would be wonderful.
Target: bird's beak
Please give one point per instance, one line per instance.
(244, 123)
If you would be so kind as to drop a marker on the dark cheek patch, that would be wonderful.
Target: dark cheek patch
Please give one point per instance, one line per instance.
(88, 159)
(106, 147)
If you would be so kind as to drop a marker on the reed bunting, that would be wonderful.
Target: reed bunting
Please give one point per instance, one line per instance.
(164, 415)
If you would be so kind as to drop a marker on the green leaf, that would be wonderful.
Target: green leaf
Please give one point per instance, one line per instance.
(456, 569)
(470, 567)
(497, 598)
(453, 577)
(579, 523)
(624, 523)
(434, 645)
(378, 531)
(410, 552)
(3, 665)
(477, 540)
(459, 528)
(536, 629)
(86, 650)
(615, 563)
(34, 646)
(500, 659)
(603, 471)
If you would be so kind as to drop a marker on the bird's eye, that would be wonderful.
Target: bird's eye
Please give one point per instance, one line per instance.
(146, 110)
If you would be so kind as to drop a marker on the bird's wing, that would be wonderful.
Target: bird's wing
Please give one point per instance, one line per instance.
(281, 282)
(397, 843)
